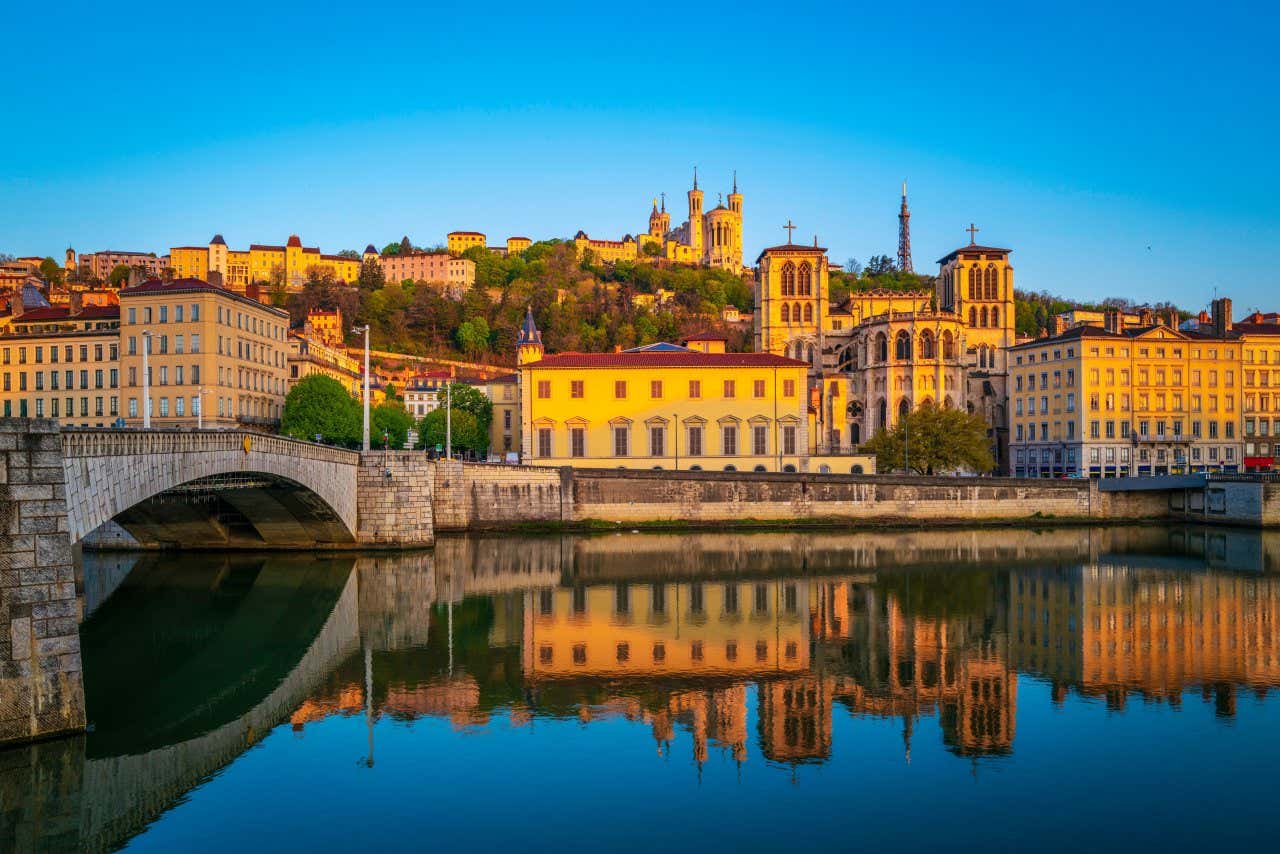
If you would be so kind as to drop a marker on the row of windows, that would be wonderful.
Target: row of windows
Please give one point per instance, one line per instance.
(792, 314)
(159, 344)
(657, 388)
(695, 599)
(65, 380)
(248, 407)
(1144, 430)
(63, 407)
(758, 439)
(181, 314)
(1159, 402)
(67, 352)
(622, 651)
(1122, 455)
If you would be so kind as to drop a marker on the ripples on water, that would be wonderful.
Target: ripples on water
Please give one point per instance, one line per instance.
(992, 689)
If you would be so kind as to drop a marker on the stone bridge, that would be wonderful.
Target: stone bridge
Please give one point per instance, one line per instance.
(212, 489)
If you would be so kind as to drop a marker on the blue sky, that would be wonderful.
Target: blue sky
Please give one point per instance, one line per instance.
(1079, 138)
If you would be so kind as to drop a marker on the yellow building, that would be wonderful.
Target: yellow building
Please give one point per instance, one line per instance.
(319, 349)
(460, 241)
(606, 251)
(1118, 401)
(663, 406)
(62, 363)
(1260, 391)
(517, 245)
(504, 429)
(211, 348)
(288, 265)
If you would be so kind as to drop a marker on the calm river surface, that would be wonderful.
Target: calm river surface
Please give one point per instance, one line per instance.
(1073, 689)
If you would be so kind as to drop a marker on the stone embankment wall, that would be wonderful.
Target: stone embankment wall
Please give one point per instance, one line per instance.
(41, 692)
(470, 497)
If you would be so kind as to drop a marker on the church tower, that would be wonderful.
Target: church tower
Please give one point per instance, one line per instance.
(735, 206)
(976, 283)
(529, 342)
(659, 220)
(695, 219)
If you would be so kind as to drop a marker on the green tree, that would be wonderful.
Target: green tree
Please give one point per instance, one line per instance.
(319, 406)
(52, 272)
(349, 253)
(119, 276)
(934, 439)
(473, 336)
(406, 246)
(467, 432)
(470, 399)
(371, 276)
(390, 418)
(391, 248)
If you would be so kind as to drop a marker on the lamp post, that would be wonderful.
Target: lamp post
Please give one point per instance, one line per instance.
(200, 393)
(146, 380)
(448, 421)
(364, 445)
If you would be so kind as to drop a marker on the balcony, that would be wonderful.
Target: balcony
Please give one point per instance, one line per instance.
(1161, 438)
(834, 450)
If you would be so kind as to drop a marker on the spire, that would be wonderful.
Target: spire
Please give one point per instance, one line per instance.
(695, 177)
(529, 333)
(663, 209)
(904, 234)
(655, 204)
(735, 181)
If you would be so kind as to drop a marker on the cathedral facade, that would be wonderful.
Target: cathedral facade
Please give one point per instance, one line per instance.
(879, 354)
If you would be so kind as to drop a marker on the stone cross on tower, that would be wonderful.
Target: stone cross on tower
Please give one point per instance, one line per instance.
(789, 229)
(972, 229)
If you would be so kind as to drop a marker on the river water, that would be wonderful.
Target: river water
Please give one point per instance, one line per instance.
(1069, 689)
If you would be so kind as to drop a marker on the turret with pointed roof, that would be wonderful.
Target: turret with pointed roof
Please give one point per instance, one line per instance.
(529, 342)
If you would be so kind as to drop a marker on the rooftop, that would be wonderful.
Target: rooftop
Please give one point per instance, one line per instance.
(974, 247)
(666, 359)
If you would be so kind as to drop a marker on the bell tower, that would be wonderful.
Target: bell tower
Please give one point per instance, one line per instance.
(529, 343)
(695, 218)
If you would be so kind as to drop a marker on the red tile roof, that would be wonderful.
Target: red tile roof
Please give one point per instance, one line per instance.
(89, 312)
(262, 247)
(654, 359)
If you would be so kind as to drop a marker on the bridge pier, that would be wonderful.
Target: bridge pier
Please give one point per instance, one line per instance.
(41, 690)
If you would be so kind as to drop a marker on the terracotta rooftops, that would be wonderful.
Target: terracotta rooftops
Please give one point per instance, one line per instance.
(89, 312)
(188, 286)
(466, 233)
(651, 359)
(294, 240)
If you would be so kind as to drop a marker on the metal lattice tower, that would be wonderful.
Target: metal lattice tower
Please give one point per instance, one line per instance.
(904, 234)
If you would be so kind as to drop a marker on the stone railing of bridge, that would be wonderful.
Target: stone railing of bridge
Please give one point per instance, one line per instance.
(91, 442)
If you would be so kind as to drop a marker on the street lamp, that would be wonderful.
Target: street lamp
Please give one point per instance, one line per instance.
(365, 329)
(200, 393)
(146, 380)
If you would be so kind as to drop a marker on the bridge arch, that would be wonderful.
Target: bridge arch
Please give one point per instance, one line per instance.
(214, 488)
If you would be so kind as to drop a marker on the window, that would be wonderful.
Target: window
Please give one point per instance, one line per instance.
(729, 440)
(657, 441)
(789, 439)
(694, 445)
(620, 389)
(576, 389)
(577, 441)
(655, 389)
(620, 436)
(730, 388)
(757, 388)
(544, 441)
(759, 440)
(695, 389)
(544, 389)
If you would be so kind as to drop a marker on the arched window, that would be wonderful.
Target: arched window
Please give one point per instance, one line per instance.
(788, 279)
(882, 348)
(786, 313)
(948, 345)
(973, 316)
(904, 406)
(882, 415)
(983, 315)
(805, 283)
(902, 346)
(927, 348)
(808, 312)
(973, 283)
(991, 281)
(995, 316)
(855, 469)
(855, 433)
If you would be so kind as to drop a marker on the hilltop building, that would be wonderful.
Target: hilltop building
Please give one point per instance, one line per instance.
(287, 265)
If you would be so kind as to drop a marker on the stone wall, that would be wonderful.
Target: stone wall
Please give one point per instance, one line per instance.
(394, 499)
(641, 496)
(475, 497)
(41, 692)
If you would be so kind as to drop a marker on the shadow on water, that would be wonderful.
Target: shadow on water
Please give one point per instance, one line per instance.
(192, 659)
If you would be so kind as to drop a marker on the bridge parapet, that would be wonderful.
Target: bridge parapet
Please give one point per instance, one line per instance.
(86, 442)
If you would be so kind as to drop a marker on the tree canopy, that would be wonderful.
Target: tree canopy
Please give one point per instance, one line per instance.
(467, 433)
(470, 399)
(390, 418)
(52, 272)
(319, 406)
(934, 439)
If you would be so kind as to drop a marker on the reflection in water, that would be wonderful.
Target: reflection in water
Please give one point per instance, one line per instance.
(727, 646)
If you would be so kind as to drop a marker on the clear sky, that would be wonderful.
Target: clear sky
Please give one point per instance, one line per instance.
(1118, 149)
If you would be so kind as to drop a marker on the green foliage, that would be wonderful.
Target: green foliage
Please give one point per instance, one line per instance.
(391, 248)
(473, 336)
(933, 439)
(371, 276)
(467, 432)
(470, 399)
(319, 405)
(349, 253)
(390, 419)
(52, 272)
(119, 276)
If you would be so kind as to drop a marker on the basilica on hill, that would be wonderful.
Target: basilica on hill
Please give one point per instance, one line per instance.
(877, 354)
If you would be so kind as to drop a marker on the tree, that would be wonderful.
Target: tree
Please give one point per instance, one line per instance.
(51, 271)
(470, 399)
(371, 276)
(389, 418)
(473, 336)
(934, 439)
(406, 247)
(319, 406)
(878, 265)
(391, 249)
(119, 276)
(349, 253)
(467, 433)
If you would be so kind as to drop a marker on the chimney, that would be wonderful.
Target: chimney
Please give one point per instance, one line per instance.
(15, 304)
(1146, 317)
(1174, 319)
(77, 303)
(1059, 324)
(1221, 311)
(1111, 320)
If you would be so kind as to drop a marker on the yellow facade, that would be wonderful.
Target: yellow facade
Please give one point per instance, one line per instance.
(1142, 401)
(460, 241)
(792, 299)
(504, 430)
(62, 364)
(605, 251)
(517, 245)
(266, 265)
(211, 349)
